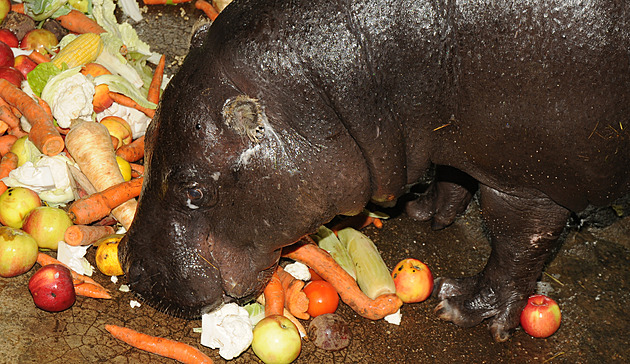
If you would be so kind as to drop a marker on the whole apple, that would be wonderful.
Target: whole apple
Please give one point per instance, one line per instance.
(541, 316)
(276, 340)
(15, 204)
(6, 55)
(8, 37)
(18, 252)
(24, 64)
(52, 288)
(413, 280)
(5, 7)
(12, 75)
(47, 225)
(40, 40)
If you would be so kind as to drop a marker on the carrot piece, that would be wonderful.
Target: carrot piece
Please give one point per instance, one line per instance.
(274, 296)
(38, 58)
(159, 345)
(165, 2)
(18, 8)
(128, 101)
(8, 163)
(3, 127)
(97, 206)
(45, 259)
(137, 170)
(8, 115)
(207, 8)
(89, 144)
(156, 81)
(77, 22)
(6, 142)
(133, 151)
(378, 223)
(91, 290)
(357, 222)
(43, 132)
(295, 299)
(76, 235)
(287, 314)
(322, 263)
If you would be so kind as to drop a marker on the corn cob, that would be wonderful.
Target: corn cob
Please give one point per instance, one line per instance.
(327, 240)
(83, 49)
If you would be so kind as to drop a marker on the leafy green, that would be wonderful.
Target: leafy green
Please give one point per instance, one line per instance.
(40, 75)
(119, 84)
(44, 9)
(327, 240)
(256, 312)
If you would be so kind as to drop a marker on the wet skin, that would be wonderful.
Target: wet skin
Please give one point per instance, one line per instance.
(285, 114)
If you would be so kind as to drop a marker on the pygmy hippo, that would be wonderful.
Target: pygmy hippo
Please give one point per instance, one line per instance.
(287, 113)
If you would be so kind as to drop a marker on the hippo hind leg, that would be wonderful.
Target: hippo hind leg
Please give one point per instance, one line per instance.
(523, 232)
(446, 197)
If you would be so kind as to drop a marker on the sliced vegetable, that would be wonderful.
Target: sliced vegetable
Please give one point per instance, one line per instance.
(327, 240)
(373, 276)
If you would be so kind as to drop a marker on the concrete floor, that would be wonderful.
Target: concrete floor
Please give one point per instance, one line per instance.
(592, 286)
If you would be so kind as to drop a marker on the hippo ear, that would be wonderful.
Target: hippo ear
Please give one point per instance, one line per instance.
(199, 31)
(244, 115)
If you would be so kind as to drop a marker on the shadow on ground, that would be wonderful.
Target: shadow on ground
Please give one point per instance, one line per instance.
(589, 278)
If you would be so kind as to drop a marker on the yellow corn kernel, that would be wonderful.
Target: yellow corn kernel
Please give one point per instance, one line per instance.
(83, 49)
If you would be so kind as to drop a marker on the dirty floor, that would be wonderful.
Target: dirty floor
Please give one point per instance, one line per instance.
(589, 278)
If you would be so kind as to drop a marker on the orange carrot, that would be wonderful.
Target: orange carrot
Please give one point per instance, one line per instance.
(158, 345)
(128, 101)
(76, 235)
(8, 115)
(98, 205)
(378, 223)
(18, 8)
(91, 290)
(295, 299)
(357, 222)
(274, 296)
(133, 151)
(8, 163)
(287, 314)
(38, 58)
(6, 142)
(3, 127)
(156, 81)
(43, 132)
(137, 170)
(45, 259)
(164, 2)
(207, 8)
(44, 105)
(322, 263)
(77, 22)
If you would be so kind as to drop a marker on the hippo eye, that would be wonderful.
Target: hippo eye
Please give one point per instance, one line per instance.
(194, 194)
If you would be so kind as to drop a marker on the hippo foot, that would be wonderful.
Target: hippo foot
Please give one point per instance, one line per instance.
(468, 301)
(441, 204)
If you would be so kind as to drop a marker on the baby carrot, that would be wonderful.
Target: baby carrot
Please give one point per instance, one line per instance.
(158, 345)
(91, 290)
(8, 163)
(6, 142)
(295, 299)
(100, 204)
(274, 296)
(156, 81)
(133, 151)
(77, 22)
(207, 8)
(43, 132)
(378, 223)
(322, 263)
(128, 101)
(76, 235)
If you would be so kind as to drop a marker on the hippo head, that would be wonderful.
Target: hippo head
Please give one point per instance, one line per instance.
(233, 173)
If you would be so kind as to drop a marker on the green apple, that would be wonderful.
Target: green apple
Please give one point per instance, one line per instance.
(276, 340)
(18, 252)
(47, 225)
(5, 7)
(15, 204)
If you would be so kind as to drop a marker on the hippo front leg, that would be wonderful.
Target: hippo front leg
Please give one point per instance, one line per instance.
(523, 232)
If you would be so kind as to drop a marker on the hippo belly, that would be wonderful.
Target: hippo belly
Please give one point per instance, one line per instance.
(285, 114)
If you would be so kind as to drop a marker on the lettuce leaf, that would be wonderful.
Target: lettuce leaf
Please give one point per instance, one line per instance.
(40, 75)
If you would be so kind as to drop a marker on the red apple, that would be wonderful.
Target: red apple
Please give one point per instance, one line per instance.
(5, 7)
(15, 204)
(12, 75)
(541, 317)
(276, 340)
(52, 288)
(413, 280)
(18, 252)
(47, 225)
(8, 37)
(40, 40)
(6, 55)
(24, 64)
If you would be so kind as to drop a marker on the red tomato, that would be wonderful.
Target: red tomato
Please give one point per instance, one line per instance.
(322, 298)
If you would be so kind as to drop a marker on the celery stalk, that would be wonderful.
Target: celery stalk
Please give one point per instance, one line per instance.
(326, 239)
(373, 276)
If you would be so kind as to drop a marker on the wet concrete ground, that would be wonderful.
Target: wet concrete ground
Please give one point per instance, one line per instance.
(589, 278)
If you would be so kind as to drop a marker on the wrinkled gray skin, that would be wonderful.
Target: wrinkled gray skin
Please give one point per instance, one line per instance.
(287, 113)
